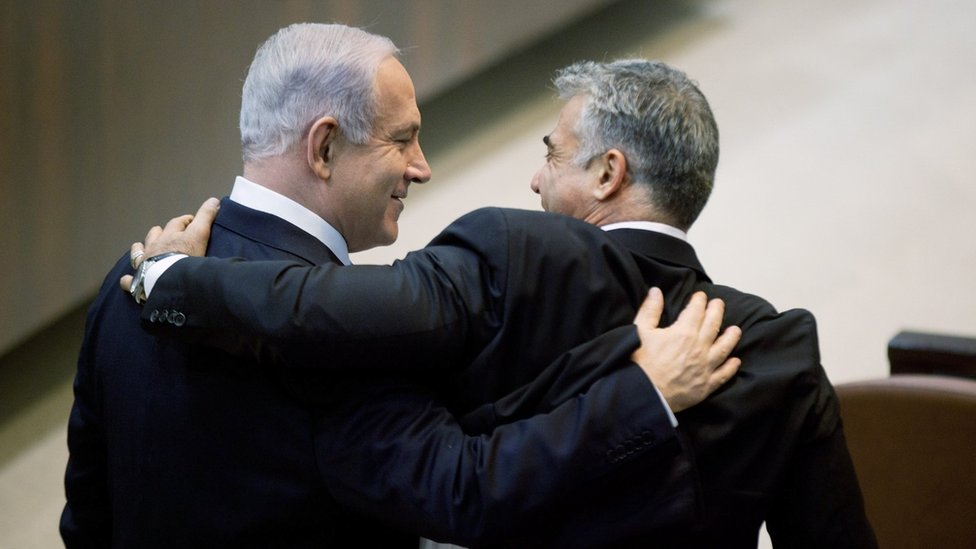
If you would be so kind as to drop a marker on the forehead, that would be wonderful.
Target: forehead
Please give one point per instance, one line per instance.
(564, 134)
(396, 101)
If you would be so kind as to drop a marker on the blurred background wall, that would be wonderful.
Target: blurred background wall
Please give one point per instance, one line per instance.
(118, 113)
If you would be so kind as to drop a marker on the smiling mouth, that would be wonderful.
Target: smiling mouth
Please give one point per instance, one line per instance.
(398, 199)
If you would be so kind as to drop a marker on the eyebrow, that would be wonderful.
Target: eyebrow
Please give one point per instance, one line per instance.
(411, 128)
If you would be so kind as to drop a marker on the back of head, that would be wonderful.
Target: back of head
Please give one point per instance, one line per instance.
(306, 71)
(659, 119)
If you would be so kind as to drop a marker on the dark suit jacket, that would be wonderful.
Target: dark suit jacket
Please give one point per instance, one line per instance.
(768, 446)
(501, 292)
(174, 445)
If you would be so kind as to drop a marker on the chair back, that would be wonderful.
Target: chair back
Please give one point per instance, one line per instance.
(927, 353)
(913, 442)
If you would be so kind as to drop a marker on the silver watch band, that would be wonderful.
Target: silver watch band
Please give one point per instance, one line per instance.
(138, 290)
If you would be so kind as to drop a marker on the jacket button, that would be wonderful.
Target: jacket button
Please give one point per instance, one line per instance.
(154, 315)
(178, 319)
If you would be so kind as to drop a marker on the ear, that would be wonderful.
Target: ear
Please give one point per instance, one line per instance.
(612, 174)
(320, 147)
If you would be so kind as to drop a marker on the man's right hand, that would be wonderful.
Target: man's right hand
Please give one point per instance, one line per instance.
(688, 360)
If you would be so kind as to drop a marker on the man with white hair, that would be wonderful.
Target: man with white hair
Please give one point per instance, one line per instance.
(175, 445)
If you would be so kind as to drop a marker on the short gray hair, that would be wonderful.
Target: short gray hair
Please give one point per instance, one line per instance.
(658, 118)
(306, 71)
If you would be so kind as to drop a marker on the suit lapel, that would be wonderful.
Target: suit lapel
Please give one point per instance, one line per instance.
(273, 232)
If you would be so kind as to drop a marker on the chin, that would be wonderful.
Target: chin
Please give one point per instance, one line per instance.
(389, 237)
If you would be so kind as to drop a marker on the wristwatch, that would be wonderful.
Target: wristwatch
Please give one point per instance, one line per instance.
(138, 290)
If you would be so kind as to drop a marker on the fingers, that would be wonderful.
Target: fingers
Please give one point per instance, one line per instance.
(152, 235)
(649, 315)
(723, 346)
(205, 216)
(721, 375)
(198, 231)
(125, 283)
(712, 320)
(693, 314)
(135, 254)
(719, 354)
(178, 223)
(137, 251)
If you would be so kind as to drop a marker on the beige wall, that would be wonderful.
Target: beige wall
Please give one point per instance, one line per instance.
(119, 114)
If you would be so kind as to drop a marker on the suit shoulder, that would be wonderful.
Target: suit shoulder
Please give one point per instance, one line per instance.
(750, 311)
(490, 228)
(514, 217)
(110, 292)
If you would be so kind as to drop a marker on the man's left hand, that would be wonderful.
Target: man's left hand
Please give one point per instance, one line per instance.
(186, 234)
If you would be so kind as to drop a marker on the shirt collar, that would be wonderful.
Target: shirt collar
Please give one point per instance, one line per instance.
(260, 198)
(648, 226)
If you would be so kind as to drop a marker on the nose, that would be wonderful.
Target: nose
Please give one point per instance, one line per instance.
(418, 171)
(534, 184)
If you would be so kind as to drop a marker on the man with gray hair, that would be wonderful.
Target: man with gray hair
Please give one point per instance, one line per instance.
(634, 152)
(175, 445)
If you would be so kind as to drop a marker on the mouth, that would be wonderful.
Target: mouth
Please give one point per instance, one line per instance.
(397, 199)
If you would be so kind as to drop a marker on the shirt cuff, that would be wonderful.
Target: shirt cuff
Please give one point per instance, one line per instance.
(671, 416)
(157, 269)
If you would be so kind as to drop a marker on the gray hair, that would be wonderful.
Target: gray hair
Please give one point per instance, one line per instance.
(661, 122)
(306, 71)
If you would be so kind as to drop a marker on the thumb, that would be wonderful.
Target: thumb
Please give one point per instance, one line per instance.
(125, 282)
(649, 315)
(204, 218)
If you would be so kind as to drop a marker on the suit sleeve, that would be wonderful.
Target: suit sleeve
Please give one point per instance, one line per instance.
(435, 308)
(480, 287)
(820, 503)
(86, 518)
(393, 452)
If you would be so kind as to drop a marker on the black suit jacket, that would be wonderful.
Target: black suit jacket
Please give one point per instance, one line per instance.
(175, 445)
(766, 447)
(501, 292)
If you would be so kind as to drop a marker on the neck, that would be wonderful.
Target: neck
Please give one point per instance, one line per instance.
(609, 212)
(286, 177)
(630, 204)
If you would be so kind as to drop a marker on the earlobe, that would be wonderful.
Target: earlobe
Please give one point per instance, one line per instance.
(613, 174)
(319, 148)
